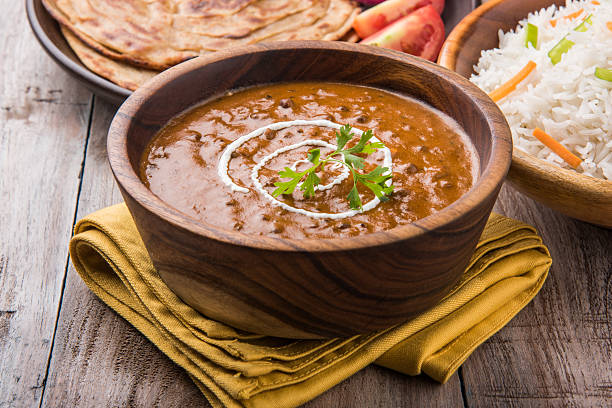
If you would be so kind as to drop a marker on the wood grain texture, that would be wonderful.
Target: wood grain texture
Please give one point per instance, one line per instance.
(310, 287)
(379, 387)
(558, 350)
(43, 116)
(582, 197)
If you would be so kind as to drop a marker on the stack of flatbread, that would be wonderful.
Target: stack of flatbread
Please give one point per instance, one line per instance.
(129, 41)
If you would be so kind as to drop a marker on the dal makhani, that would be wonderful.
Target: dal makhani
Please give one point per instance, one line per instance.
(310, 159)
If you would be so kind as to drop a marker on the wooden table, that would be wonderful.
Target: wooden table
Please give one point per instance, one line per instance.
(61, 347)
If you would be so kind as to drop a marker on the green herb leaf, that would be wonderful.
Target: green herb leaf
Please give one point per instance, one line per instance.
(352, 160)
(376, 189)
(376, 180)
(372, 147)
(289, 173)
(343, 137)
(365, 137)
(381, 191)
(285, 187)
(377, 175)
(354, 199)
(314, 155)
(308, 186)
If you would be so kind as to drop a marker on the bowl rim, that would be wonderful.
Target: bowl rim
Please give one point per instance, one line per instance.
(486, 186)
(582, 183)
(77, 69)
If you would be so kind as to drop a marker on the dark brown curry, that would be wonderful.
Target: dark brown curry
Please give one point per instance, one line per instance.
(433, 161)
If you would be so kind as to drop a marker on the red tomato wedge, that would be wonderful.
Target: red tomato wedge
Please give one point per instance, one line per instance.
(420, 33)
(383, 14)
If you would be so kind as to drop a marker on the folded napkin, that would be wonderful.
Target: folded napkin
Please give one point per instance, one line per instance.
(233, 368)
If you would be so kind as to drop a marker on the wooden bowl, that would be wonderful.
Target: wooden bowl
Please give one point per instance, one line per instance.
(571, 193)
(313, 287)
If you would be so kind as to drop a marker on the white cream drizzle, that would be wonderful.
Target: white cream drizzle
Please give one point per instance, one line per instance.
(222, 168)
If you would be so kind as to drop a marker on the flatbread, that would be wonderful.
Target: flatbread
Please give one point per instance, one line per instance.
(121, 73)
(159, 34)
(241, 24)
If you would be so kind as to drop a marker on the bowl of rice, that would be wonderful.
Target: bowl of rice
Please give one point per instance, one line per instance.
(548, 65)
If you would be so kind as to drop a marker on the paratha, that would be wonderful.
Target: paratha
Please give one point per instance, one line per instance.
(124, 74)
(121, 73)
(159, 34)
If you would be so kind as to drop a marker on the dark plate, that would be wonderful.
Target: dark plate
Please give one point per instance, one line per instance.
(48, 34)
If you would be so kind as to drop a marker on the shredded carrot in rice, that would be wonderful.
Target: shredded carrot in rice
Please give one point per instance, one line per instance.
(574, 15)
(609, 25)
(595, 2)
(568, 17)
(513, 82)
(569, 157)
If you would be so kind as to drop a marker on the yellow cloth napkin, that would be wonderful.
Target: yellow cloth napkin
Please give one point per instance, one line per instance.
(233, 368)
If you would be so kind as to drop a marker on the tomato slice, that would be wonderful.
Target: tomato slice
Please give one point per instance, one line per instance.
(383, 14)
(420, 33)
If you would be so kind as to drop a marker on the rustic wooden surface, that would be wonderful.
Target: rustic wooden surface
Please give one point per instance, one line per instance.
(61, 347)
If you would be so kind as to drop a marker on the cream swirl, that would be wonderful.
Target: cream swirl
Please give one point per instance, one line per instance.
(222, 168)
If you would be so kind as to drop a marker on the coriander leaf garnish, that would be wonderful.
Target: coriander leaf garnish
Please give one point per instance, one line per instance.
(376, 180)
(354, 199)
(343, 137)
(312, 180)
(352, 160)
(365, 137)
(287, 187)
(313, 156)
(371, 147)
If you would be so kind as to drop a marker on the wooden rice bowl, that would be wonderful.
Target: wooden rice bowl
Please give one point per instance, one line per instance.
(311, 287)
(571, 193)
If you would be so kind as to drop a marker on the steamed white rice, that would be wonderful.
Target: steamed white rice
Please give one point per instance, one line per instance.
(565, 100)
